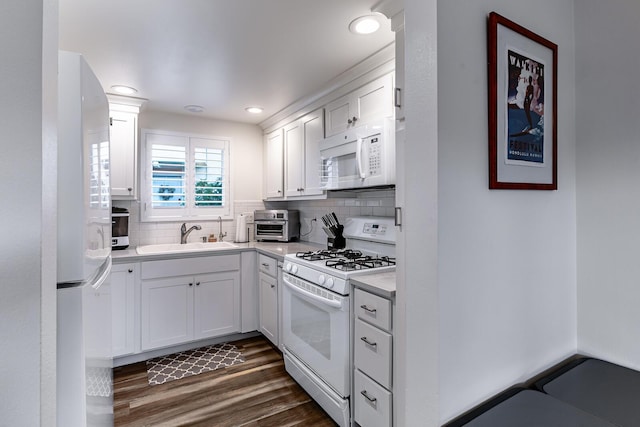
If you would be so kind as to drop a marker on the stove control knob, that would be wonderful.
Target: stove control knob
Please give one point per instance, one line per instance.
(321, 279)
(288, 267)
(329, 283)
(294, 269)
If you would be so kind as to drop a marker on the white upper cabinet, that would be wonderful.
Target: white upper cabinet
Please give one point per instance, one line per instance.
(302, 139)
(274, 164)
(123, 137)
(294, 159)
(372, 101)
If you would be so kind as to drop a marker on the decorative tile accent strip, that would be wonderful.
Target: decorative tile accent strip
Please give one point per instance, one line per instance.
(192, 362)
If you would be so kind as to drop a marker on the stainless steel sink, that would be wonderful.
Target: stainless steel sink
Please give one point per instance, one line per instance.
(167, 248)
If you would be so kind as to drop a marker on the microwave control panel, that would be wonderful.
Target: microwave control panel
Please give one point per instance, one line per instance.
(375, 155)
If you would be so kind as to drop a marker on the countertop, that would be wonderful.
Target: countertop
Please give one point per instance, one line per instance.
(383, 284)
(275, 249)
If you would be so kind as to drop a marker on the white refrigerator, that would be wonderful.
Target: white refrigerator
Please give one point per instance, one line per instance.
(84, 358)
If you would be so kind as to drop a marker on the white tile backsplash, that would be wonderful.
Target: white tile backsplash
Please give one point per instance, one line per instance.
(151, 233)
(376, 203)
(368, 203)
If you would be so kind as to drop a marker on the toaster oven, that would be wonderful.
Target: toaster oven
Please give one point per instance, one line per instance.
(277, 225)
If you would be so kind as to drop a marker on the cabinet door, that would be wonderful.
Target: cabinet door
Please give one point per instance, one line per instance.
(123, 282)
(167, 311)
(217, 304)
(269, 307)
(373, 100)
(313, 133)
(338, 115)
(123, 162)
(273, 169)
(294, 161)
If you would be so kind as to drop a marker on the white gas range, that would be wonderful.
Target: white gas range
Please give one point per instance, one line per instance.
(316, 309)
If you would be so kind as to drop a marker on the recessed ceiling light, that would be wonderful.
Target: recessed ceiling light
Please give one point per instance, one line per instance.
(194, 108)
(254, 110)
(124, 90)
(365, 24)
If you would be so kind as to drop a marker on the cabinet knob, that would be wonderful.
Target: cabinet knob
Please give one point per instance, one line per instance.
(129, 189)
(273, 286)
(190, 284)
(197, 283)
(130, 270)
(349, 121)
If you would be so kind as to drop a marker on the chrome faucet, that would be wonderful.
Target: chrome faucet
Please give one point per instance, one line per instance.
(184, 233)
(221, 235)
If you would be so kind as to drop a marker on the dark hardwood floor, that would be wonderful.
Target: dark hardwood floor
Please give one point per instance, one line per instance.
(256, 393)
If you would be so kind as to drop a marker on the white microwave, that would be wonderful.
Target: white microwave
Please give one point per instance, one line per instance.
(360, 157)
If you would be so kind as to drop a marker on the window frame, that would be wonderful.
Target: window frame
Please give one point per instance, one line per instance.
(190, 211)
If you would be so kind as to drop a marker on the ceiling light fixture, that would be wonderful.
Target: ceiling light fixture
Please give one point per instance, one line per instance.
(365, 24)
(254, 110)
(124, 90)
(194, 108)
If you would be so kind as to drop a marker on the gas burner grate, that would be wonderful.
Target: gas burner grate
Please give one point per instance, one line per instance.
(360, 263)
(328, 254)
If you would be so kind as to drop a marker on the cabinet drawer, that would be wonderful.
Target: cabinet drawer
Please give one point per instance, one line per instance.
(373, 309)
(267, 265)
(188, 266)
(372, 403)
(372, 352)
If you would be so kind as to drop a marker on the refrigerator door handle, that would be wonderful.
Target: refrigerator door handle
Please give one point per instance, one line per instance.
(104, 274)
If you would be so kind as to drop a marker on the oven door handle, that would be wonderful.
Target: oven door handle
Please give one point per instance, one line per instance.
(312, 296)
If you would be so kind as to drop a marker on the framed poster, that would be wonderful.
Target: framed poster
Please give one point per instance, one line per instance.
(522, 108)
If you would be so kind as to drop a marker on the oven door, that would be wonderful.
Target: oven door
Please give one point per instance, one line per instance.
(315, 325)
(271, 230)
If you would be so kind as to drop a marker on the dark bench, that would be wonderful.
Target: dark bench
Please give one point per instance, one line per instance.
(581, 391)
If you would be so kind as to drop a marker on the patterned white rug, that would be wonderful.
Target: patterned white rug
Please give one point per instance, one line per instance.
(192, 362)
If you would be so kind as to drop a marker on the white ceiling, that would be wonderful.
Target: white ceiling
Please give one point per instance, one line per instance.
(224, 55)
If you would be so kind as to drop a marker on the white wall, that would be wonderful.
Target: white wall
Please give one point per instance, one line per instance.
(27, 252)
(507, 259)
(608, 171)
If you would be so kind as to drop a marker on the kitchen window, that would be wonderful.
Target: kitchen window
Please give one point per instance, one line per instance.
(184, 177)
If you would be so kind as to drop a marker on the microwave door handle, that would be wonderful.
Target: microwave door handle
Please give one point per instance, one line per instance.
(359, 145)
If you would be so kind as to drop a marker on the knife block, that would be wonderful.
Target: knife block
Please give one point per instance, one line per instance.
(337, 242)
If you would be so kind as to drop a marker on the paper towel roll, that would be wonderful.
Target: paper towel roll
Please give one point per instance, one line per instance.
(242, 235)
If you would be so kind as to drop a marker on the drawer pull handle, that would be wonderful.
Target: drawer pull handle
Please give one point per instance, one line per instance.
(372, 400)
(367, 309)
(369, 343)
(264, 264)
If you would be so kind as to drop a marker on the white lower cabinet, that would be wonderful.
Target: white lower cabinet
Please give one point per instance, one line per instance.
(189, 307)
(123, 308)
(372, 360)
(268, 298)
